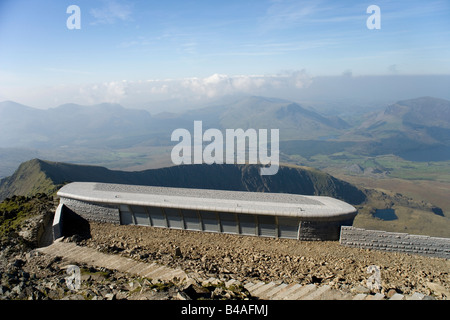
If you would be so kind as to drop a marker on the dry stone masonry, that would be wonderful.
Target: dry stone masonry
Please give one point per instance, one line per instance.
(394, 241)
(99, 212)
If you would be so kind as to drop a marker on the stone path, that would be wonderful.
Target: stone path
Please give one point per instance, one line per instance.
(294, 291)
(72, 252)
(261, 290)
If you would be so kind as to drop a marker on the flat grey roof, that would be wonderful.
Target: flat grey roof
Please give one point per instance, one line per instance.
(280, 204)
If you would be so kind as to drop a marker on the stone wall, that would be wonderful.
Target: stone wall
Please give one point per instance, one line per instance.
(93, 211)
(393, 241)
(322, 230)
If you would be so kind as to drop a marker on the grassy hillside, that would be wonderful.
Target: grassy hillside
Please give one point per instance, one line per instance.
(29, 179)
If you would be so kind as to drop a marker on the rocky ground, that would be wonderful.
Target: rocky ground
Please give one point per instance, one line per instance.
(264, 259)
(28, 274)
(36, 276)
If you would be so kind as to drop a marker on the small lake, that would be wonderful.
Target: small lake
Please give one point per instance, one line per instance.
(385, 214)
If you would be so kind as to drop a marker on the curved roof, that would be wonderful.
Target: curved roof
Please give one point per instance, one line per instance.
(280, 204)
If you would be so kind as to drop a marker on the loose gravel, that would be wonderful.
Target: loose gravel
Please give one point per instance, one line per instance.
(247, 258)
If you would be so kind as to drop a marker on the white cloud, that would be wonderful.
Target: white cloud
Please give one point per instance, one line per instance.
(141, 93)
(175, 95)
(110, 12)
(286, 14)
(219, 84)
(112, 92)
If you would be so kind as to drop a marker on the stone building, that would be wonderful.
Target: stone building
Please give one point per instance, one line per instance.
(235, 212)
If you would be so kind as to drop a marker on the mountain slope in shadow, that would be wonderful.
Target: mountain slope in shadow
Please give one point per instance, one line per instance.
(45, 176)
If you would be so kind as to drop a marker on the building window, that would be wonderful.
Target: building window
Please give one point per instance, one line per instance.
(126, 217)
(140, 216)
(247, 223)
(229, 222)
(191, 220)
(174, 218)
(210, 222)
(267, 226)
(157, 217)
(288, 227)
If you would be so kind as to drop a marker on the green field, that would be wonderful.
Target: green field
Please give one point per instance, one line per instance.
(384, 166)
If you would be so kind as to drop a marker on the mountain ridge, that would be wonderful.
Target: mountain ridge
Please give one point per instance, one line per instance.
(412, 117)
(107, 123)
(23, 126)
(45, 176)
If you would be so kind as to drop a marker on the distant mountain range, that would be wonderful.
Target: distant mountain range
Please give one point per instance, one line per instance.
(416, 129)
(114, 126)
(292, 119)
(410, 115)
(70, 125)
(45, 176)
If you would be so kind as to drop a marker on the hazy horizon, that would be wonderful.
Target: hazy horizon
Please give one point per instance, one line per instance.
(365, 90)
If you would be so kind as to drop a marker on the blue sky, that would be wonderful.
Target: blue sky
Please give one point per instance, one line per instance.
(131, 47)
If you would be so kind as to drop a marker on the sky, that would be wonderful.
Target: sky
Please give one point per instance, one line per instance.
(139, 51)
